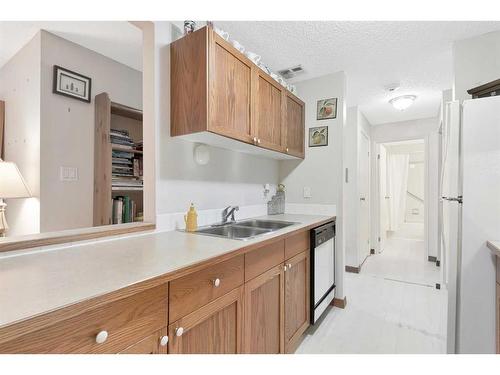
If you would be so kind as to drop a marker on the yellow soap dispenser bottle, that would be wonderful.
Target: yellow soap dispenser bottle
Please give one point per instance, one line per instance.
(191, 219)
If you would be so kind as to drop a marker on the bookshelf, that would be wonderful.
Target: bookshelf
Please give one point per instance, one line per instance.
(118, 185)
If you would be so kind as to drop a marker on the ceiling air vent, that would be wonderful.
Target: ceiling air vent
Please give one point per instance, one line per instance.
(291, 72)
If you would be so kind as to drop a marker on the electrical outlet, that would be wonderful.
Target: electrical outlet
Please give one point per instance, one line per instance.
(69, 174)
(307, 192)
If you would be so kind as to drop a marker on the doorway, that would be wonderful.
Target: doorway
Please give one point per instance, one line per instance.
(402, 191)
(402, 217)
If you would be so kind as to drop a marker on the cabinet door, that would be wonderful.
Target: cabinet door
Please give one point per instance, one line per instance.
(263, 331)
(269, 112)
(212, 329)
(154, 344)
(229, 91)
(296, 299)
(295, 127)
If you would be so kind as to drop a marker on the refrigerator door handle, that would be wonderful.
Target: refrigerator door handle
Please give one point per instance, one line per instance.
(458, 199)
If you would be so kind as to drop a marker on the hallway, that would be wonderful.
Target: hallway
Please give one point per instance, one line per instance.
(392, 307)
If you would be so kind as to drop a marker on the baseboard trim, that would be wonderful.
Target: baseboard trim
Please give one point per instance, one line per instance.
(340, 303)
(352, 269)
(431, 258)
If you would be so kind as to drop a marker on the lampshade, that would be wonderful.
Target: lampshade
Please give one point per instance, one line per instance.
(12, 184)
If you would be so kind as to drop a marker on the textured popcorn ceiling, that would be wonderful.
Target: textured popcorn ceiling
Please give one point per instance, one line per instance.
(418, 55)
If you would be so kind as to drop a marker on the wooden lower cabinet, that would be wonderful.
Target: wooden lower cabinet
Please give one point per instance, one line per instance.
(263, 321)
(212, 329)
(154, 344)
(296, 300)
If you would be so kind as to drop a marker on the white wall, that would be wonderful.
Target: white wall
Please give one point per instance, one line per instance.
(230, 178)
(322, 168)
(355, 124)
(67, 129)
(426, 129)
(476, 61)
(20, 89)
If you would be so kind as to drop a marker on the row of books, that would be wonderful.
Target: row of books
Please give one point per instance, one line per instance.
(121, 138)
(126, 167)
(125, 210)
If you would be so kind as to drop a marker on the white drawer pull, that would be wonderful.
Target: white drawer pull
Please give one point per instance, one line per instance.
(216, 282)
(101, 337)
(164, 340)
(289, 265)
(179, 331)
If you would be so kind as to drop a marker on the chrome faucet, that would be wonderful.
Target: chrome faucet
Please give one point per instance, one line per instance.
(229, 212)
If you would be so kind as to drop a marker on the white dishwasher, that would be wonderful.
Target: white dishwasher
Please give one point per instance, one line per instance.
(322, 269)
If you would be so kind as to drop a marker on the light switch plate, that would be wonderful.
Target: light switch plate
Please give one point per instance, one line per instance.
(69, 174)
(307, 192)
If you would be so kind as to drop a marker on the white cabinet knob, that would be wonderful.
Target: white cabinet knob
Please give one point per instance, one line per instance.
(179, 331)
(101, 337)
(164, 340)
(216, 282)
(254, 139)
(287, 149)
(284, 268)
(258, 141)
(289, 265)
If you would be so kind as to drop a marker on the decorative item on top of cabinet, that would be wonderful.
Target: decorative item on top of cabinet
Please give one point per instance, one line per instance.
(220, 97)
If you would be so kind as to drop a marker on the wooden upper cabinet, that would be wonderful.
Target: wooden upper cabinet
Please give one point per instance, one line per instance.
(263, 318)
(296, 299)
(295, 126)
(215, 89)
(269, 112)
(212, 329)
(229, 92)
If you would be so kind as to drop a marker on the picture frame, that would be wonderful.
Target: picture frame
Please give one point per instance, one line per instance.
(318, 136)
(71, 84)
(326, 109)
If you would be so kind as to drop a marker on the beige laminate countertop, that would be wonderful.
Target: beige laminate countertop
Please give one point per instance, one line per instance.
(494, 246)
(36, 282)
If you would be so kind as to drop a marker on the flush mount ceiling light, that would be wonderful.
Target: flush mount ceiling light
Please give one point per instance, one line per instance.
(402, 102)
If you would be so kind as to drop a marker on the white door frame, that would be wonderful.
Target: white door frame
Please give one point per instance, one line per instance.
(376, 196)
(368, 196)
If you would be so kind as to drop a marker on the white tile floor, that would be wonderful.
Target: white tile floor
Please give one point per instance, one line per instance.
(392, 307)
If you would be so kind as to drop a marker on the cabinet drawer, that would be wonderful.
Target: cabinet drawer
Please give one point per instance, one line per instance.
(126, 321)
(296, 244)
(192, 291)
(264, 258)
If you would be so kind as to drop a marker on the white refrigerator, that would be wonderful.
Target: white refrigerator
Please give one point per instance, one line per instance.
(470, 187)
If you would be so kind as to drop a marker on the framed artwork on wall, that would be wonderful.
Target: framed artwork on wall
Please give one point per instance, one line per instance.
(318, 136)
(326, 109)
(71, 84)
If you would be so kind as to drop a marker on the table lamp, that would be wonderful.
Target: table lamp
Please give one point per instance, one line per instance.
(12, 185)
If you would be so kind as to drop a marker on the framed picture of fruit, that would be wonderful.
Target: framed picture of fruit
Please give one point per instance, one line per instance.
(327, 109)
(318, 136)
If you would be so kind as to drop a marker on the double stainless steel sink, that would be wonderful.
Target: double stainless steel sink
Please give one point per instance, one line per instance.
(244, 230)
